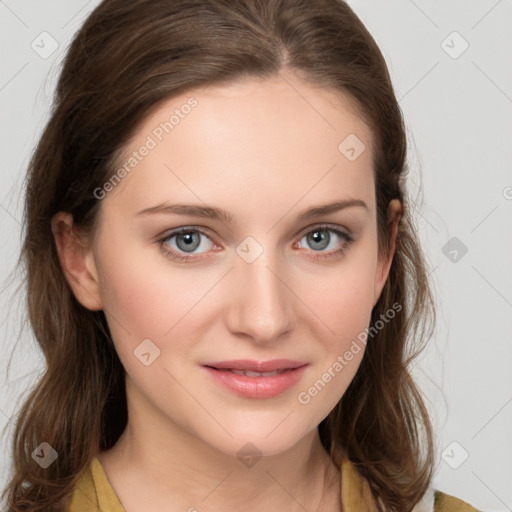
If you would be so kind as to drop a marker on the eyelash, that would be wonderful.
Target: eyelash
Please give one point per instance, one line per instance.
(337, 252)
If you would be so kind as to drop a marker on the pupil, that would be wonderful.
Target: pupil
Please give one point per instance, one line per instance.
(189, 243)
(319, 237)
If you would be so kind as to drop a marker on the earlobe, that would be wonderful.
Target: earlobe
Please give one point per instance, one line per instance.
(384, 263)
(77, 261)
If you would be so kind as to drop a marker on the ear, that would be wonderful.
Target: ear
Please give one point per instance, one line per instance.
(385, 260)
(77, 261)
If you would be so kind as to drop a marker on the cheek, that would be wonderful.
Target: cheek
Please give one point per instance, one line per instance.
(341, 296)
(344, 306)
(144, 291)
(341, 300)
(147, 297)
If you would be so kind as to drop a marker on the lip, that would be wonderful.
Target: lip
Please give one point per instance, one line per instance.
(256, 366)
(259, 387)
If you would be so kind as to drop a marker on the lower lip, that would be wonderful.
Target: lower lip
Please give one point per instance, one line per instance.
(258, 387)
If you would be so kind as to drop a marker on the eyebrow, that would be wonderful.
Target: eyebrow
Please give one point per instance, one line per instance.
(212, 212)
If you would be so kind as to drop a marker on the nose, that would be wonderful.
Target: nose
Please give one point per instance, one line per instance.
(261, 306)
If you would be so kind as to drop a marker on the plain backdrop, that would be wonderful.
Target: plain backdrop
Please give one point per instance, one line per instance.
(451, 63)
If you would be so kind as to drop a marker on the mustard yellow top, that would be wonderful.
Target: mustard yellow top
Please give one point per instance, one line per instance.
(94, 492)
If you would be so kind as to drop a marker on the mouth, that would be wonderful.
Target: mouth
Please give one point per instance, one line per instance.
(252, 379)
(250, 373)
(259, 367)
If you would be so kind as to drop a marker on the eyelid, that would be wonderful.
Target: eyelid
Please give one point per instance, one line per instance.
(324, 225)
(168, 233)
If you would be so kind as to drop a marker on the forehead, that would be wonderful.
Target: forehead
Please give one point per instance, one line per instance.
(277, 135)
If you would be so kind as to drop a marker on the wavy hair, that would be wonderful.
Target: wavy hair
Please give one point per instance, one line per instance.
(127, 58)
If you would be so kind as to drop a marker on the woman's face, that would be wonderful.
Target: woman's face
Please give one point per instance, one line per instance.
(273, 282)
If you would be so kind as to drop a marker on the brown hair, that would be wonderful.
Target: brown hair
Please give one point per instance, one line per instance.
(126, 59)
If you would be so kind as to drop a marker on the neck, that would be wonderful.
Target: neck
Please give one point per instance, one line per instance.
(167, 468)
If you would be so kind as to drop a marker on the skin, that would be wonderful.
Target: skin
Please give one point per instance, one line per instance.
(264, 150)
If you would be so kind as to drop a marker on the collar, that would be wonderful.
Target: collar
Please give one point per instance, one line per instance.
(356, 494)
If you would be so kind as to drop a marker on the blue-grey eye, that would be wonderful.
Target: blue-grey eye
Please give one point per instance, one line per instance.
(320, 239)
(188, 241)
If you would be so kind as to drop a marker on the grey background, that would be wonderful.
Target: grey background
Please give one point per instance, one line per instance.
(457, 108)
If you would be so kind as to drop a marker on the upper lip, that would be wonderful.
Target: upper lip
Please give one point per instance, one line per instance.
(257, 366)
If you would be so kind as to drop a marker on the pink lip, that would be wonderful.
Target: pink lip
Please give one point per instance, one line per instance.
(258, 387)
(256, 366)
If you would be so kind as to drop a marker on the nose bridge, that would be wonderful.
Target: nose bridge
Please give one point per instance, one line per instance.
(262, 303)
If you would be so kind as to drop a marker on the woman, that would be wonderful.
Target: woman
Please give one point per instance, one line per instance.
(222, 270)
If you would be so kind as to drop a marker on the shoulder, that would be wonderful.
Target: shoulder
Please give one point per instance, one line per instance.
(356, 495)
(437, 501)
(445, 503)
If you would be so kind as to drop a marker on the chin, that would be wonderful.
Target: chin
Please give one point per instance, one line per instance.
(258, 442)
